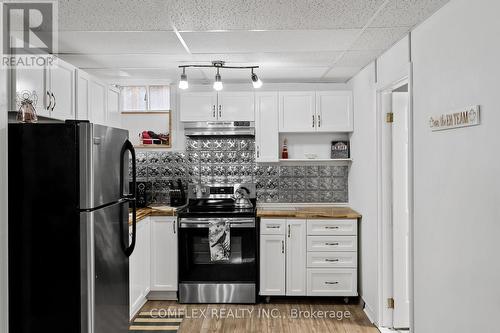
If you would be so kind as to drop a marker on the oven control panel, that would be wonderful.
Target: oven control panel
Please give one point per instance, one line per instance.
(220, 191)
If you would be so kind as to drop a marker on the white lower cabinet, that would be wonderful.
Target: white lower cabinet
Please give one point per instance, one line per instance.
(332, 282)
(139, 266)
(163, 253)
(296, 258)
(153, 264)
(308, 257)
(272, 265)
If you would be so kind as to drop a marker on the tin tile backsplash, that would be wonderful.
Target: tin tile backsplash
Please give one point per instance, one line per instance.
(232, 160)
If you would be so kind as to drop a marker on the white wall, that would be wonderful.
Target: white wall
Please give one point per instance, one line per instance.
(363, 184)
(456, 56)
(3, 203)
(393, 62)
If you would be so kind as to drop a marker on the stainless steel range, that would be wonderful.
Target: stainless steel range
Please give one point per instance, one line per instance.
(233, 278)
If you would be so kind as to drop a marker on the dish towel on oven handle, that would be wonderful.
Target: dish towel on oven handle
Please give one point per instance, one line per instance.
(219, 240)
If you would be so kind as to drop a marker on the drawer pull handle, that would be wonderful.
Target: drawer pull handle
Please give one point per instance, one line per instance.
(328, 282)
(331, 244)
(273, 227)
(331, 260)
(336, 227)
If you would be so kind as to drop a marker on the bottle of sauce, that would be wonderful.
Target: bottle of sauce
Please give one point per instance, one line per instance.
(284, 151)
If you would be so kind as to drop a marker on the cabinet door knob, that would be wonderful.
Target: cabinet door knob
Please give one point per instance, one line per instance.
(213, 111)
(220, 111)
(314, 121)
(319, 120)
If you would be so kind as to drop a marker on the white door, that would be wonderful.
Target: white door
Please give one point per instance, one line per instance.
(266, 127)
(296, 258)
(164, 253)
(297, 111)
(82, 95)
(113, 108)
(236, 106)
(272, 265)
(62, 87)
(334, 112)
(400, 209)
(98, 102)
(198, 106)
(32, 81)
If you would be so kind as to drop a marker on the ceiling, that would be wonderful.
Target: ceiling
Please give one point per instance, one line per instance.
(291, 40)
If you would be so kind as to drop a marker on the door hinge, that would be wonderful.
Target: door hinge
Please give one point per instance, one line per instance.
(390, 303)
(389, 117)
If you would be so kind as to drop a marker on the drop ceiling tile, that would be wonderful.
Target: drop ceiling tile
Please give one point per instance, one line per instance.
(406, 13)
(119, 42)
(342, 74)
(123, 61)
(196, 15)
(358, 58)
(276, 59)
(113, 15)
(379, 38)
(269, 41)
(321, 14)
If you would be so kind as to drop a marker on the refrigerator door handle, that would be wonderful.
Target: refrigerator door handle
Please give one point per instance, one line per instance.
(129, 197)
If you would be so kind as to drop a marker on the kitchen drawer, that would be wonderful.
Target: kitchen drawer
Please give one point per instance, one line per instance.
(272, 226)
(332, 227)
(332, 282)
(332, 259)
(332, 243)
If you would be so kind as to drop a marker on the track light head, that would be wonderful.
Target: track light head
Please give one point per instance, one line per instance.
(183, 83)
(257, 83)
(218, 82)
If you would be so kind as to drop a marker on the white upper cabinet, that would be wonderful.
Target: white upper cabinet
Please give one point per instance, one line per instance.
(212, 106)
(32, 81)
(266, 127)
(321, 111)
(113, 111)
(297, 111)
(82, 95)
(235, 106)
(98, 102)
(61, 85)
(198, 106)
(334, 111)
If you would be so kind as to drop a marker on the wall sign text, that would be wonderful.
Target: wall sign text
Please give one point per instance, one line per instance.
(458, 119)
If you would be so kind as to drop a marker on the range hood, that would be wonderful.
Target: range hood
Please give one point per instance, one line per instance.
(211, 128)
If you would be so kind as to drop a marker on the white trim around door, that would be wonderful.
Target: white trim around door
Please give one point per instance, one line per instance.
(384, 171)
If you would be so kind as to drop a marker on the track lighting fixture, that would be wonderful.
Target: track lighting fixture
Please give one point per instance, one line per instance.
(257, 83)
(218, 83)
(183, 83)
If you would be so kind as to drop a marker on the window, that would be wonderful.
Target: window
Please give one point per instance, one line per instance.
(146, 98)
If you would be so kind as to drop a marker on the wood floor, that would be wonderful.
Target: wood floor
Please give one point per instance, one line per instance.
(280, 315)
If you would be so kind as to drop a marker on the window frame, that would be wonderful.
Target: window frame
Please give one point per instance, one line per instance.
(148, 98)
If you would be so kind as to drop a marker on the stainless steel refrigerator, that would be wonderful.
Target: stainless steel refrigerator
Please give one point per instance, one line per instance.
(69, 241)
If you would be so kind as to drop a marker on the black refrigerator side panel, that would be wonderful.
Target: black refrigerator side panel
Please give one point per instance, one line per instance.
(44, 228)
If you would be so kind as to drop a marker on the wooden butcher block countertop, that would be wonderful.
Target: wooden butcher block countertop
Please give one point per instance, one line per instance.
(154, 211)
(323, 212)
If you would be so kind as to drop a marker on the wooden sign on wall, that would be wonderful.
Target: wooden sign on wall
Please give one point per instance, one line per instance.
(458, 119)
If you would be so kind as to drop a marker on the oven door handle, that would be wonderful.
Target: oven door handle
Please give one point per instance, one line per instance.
(200, 224)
